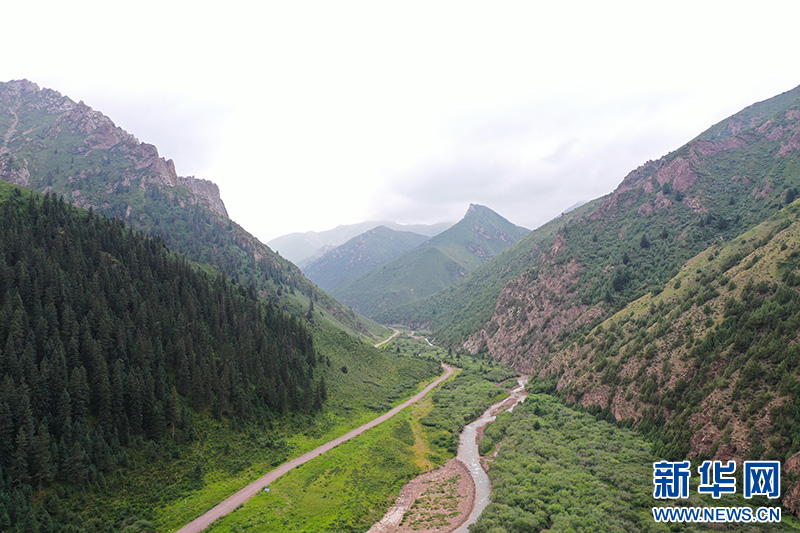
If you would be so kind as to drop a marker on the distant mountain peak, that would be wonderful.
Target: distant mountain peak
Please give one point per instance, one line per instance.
(305, 248)
(477, 208)
(443, 259)
(359, 255)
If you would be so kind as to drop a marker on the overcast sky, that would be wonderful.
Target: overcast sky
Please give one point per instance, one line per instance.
(314, 114)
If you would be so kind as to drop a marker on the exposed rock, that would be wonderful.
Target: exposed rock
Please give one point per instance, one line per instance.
(14, 171)
(206, 191)
(790, 145)
(679, 172)
(713, 147)
(791, 500)
(529, 314)
(662, 202)
(99, 134)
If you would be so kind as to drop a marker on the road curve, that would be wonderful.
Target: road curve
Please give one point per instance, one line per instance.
(395, 334)
(203, 521)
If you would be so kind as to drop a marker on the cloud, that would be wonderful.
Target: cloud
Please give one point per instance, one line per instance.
(531, 162)
(312, 114)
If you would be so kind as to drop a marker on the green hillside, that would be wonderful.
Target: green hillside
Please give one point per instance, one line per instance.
(462, 308)
(359, 255)
(52, 144)
(132, 379)
(109, 340)
(592, 261)
(712, 362)
(434, 265)
(612, 305)
(559, 469)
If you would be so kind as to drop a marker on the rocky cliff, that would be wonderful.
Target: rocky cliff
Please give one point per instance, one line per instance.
(50, 143)
(40, 125)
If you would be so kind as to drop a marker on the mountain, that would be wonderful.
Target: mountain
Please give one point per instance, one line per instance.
(592, 261)
(130, 375)
(710, 365)
(437, 263)
(304, 248)
(670, 303)
(110, 339)
(360, 254)
(52, 144)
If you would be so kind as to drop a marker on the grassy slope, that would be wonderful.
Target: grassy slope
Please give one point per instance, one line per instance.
(463, 307)
(352, 486)
(438, 263)
(715, 353)
(170, 487)
(562, 470)
(415, 274)
(359, 255)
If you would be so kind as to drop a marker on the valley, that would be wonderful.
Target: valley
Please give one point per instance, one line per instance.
(157, 359)
(353, 484)
(261, 484)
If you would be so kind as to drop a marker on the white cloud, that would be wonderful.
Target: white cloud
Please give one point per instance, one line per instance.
(312, 114)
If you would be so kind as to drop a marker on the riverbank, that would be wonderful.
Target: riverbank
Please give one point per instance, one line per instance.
(453, 496)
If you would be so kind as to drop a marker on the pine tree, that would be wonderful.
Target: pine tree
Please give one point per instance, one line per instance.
(42, 461)
(20, 466)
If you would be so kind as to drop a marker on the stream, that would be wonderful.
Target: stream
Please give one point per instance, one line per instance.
(468, 452)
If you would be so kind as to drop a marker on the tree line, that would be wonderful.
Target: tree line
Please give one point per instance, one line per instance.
(108, 339)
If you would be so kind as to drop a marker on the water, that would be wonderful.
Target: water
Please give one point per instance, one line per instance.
(468, 453)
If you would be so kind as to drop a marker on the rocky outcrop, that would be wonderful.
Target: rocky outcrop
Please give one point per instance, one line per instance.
(92, 140)
(206, 192)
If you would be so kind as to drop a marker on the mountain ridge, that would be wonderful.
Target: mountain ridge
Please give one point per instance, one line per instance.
(53, 144)
(302, 248)
(360, 254)
(670, 303)
(679, 196)
(433, 265)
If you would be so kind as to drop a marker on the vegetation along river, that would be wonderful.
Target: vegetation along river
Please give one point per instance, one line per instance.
(468, 451)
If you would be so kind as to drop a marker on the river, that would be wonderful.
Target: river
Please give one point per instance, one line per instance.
(468, 452)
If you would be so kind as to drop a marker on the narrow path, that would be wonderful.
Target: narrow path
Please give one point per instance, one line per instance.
(203, 521)
(395, 334)
(423, 338)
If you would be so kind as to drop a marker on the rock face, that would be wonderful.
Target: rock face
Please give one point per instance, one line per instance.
(47, 137)
(207, 191)
(50, 143)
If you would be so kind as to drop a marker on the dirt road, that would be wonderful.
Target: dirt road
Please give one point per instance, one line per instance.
(395, 334)
(239, 498)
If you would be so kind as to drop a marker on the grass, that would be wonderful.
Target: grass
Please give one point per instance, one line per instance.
(352, 486)
(559, 469)
(346, 489)
(172, 483)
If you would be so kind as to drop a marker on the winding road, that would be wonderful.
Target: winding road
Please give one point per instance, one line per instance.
(203, 521)
(395, 334)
